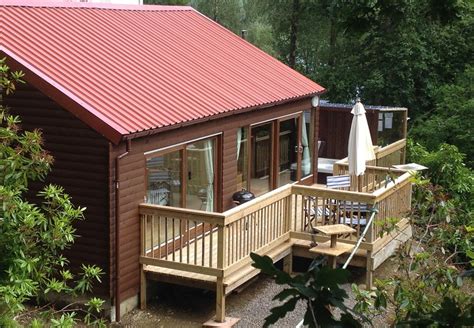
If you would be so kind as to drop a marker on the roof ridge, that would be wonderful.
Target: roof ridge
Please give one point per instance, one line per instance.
(91, 5)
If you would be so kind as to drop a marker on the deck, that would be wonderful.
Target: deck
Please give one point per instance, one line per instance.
(212, 250)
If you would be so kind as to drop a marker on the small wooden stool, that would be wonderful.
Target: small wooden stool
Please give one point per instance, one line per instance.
(331, 248)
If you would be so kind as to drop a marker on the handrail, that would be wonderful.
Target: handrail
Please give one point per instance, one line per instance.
(380, 152)
(397, 145)
(334, 193)
(190, 214)
(392, 186)
(256, 203)
(374, 169)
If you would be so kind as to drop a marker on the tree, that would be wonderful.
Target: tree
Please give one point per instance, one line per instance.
(33, 236)
(452, 117)
(228, 13)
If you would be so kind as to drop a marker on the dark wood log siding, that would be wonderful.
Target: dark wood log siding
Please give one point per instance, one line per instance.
(334, 127)
(132, 170)
(80, 166)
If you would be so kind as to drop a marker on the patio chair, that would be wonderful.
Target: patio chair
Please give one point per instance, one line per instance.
(338, 182)
(345, 208)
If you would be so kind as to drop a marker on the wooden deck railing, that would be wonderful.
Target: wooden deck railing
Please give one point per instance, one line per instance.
(211, 243)
(387, 156)
(373, 179)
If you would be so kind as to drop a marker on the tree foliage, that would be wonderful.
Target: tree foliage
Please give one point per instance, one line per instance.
(34, 236)
(416, 54)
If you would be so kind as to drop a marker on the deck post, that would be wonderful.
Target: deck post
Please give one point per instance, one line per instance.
(220, 300)
(142, 266)
(288, 263)
(142, 287)
(369, 275)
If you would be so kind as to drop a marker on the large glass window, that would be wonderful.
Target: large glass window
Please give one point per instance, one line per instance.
(288, 151)
(164, 179)
(261, 159)
(201, 172)
(276, 153)
(184, 177)
(242, 158)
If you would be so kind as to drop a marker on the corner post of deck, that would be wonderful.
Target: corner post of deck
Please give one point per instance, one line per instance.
(142, 266)
(220, 292)
(220, 300)
(288, 263)
(370, 238)
(369, 275)
(142, 287)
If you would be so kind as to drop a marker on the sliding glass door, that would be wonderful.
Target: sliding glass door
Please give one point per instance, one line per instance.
(164, 179)
(200, 177)
(288, 149)
(184, 176)
(261, 159)
(275, 153)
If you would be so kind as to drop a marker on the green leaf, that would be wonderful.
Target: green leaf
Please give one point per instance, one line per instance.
(279, 312)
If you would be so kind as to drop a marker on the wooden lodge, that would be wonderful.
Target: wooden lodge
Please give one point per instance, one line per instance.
(158, 118)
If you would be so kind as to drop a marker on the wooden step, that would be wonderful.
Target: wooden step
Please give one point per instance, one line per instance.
(326, 249)
(199, 280)
(241, 276)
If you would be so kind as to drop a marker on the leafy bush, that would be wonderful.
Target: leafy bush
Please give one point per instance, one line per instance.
(318, 287)
(446, 169)
(33, 237)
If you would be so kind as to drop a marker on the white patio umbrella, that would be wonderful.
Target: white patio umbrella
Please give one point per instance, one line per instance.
(360, 148)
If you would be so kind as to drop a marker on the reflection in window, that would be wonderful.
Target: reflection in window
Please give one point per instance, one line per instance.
(194, 188)
(307, 144)
(200, 177)
(391, 127)
(164, 175)
(242, 158)
(288, 161)
(261, 157)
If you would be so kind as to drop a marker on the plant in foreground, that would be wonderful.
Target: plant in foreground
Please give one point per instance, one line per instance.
(34, 236)
(319, 288)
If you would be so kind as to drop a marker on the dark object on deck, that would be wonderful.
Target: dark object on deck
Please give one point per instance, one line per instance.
(242, 196)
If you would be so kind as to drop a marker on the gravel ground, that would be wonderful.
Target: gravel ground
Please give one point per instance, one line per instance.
(176, 306)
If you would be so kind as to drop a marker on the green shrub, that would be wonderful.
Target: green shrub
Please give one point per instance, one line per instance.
(446, 169)
(34, 236)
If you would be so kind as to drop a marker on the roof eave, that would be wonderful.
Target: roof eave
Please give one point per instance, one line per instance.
(218, 116)
(65, 98)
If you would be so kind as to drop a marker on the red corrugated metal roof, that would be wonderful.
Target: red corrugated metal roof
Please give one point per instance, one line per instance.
(138, 68)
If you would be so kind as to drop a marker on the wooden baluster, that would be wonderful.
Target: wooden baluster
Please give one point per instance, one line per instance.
(203, 245)
(211, 235)
(173, 232)
(195, 242)
(187, 241)
(180, 241)
(166, 237)
(159, 236)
